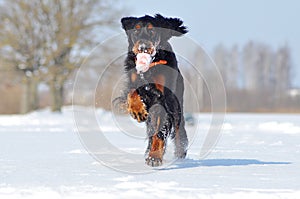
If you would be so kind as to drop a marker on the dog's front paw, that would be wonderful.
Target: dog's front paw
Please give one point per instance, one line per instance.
(153, 161)
(136, 106)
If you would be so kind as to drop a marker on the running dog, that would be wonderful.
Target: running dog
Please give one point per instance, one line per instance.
(154, 92)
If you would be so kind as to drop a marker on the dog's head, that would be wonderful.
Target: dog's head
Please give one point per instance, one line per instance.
(146, 33)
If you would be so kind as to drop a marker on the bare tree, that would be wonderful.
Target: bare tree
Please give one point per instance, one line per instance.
(233, 71)
(70, 34)
(20, 42)
(221, 58)
(249, 61)
(9, 89)
(282, 72)
(48, 39)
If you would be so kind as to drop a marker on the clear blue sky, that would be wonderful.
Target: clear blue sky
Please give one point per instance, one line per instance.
(233, 22)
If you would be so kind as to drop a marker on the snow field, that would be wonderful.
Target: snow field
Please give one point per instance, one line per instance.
(257, 156)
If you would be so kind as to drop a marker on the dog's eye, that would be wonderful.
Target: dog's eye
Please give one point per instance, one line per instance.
(150, 26)
(137, 28)
(150, 29)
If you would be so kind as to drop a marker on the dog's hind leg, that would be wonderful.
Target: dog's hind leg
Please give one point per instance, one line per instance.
(180, 139)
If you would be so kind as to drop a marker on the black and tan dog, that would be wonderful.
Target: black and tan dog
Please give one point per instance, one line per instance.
(154, 92)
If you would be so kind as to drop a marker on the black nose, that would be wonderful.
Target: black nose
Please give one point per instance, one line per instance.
(144, 45)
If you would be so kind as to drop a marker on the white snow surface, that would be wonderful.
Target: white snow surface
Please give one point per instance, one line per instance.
(257, 156)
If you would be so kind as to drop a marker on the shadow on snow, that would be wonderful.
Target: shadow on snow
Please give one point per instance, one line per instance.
(191, 163)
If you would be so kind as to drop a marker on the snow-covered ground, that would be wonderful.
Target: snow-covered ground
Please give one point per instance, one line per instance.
(43, 156)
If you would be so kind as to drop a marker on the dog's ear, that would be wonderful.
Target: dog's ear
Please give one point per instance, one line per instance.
(128, 22)
(175, 25)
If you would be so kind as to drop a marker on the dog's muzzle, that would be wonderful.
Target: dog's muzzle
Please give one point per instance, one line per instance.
(144, 46)
(145, 52)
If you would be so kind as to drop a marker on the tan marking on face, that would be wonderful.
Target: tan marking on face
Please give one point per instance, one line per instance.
(150, 26)
(138, 26)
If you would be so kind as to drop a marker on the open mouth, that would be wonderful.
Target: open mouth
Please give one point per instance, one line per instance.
(142, 63)
(145, 52)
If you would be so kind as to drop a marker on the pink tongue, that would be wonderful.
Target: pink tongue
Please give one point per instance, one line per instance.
(143, 61)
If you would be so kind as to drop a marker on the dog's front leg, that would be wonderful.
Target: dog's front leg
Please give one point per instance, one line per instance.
(136, 107)
(158, 127)
(156, 150)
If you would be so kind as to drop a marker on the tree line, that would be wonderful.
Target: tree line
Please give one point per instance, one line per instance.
(257, 77)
